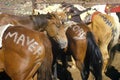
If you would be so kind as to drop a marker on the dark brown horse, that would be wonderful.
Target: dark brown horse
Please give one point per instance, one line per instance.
(84, 49)
(23, 52)
(49, 23)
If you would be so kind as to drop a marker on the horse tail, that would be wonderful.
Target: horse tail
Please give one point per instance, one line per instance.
(45, 70)
(112, 54)
(94, 57)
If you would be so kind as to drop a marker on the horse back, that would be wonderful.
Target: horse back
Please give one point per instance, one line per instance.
(77, 40)
(16, 20)
(24, 41)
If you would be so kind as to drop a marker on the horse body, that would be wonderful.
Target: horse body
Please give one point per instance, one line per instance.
(82, 45)
(16, 20)
(23, 52)
(107, 34)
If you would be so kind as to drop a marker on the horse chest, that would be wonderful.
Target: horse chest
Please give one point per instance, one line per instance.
(23, 40)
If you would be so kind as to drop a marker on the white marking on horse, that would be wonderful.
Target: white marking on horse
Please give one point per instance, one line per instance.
(106, 20)
(80, 33)
(23, 40)
(2, 30)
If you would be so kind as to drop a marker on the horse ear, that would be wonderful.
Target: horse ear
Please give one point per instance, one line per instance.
(49, 16)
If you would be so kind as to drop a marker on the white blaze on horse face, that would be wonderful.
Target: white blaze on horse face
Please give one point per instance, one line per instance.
(80, 33)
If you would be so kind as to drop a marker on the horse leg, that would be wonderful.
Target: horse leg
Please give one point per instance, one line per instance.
(97, 71)
(55, 71)
(35, 77)
(85, 73)
(105, 56)
(73, 63)
(112, 54)
(19, 68)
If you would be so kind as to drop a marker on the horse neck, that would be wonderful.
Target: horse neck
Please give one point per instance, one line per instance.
(39, 21)
(22, 21)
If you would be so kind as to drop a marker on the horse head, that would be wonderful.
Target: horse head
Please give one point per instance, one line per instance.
(53, 26)
(56, 30)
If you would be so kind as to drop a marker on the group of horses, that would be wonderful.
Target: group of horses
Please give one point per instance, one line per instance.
(26, 47)
(104, 26)
(30, 44)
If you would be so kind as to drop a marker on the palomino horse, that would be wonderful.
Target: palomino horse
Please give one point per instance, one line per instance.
(48, 22)
(106, 32)
(23, 52)
(84, 49)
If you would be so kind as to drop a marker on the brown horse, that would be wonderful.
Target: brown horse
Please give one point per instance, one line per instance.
(48, 22)
(104, 28)
(23, 52)
(84, 49)
(39, 23)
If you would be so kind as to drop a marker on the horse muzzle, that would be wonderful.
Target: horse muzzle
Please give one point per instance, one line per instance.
(63, 44)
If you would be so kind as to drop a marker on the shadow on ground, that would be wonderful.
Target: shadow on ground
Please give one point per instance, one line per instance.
(113, 74)
(63, 74)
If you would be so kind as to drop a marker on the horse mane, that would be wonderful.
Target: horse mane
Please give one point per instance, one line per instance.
(41, 20)
(93, 55)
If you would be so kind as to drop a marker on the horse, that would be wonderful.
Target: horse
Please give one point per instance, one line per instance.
(110, 10)
(101, 25)
(39, 23)
(84, 49)
(91, 16)
(23, 52)
(109, 28)
(47, 22)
